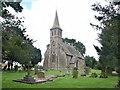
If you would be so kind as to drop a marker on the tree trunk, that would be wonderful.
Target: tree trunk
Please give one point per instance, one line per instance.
(103, 73)
(102, 70)
(109, 71)
(8, 66)
(24, 68)
(11, 64)
(28, 70)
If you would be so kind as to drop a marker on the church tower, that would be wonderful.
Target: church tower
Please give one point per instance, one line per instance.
(55, 41)
(56, 31)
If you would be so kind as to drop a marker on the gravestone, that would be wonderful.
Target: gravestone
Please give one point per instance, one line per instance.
(67, 72)
(83, 72)
(87, 70)
(41, 74)
(75, 72)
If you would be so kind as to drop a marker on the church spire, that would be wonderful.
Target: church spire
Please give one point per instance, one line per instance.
(56, 21)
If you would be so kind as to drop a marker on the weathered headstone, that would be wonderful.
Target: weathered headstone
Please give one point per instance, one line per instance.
(41, 74)
(75, 72)
(83, 72)
(87, 70)
(67, 72)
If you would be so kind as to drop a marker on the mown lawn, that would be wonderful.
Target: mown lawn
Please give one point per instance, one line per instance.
(61, 82)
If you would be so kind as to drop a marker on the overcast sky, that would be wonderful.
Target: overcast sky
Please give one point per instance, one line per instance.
(74, 16)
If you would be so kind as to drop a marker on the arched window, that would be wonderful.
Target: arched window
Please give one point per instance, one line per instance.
(55, 32)
(58, 33)
(52, 33)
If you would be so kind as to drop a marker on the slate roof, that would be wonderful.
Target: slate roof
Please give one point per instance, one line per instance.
(71, 51)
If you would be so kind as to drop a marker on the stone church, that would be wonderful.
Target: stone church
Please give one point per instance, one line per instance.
(60, 55)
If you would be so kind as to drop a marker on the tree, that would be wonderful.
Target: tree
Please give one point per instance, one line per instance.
(37, 57)
(91, 62)
(16, 45)
(109, 26)
(8, 27)
(78, 45)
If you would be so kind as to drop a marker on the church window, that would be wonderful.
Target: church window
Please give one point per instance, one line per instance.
(55, 32)
(58, 33)
(52, 33)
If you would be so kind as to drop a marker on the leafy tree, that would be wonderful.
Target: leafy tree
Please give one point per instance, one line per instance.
(109, 26)
(91, 62)
(37, 57)
(16, 45)
(8, 27)
(78, 45)
(68, 41)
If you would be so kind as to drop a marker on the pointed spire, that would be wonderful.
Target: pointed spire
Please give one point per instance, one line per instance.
(56, 21)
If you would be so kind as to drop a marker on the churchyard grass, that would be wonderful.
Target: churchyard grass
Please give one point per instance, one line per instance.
(61, 82)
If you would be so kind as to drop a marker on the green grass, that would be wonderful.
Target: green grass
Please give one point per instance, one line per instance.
(62, 82)
(0, 80)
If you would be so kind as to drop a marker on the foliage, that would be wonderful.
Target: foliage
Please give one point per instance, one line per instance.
(37, 57)
(16, 45)
(78, 45)
(109, 25)
(91, 62)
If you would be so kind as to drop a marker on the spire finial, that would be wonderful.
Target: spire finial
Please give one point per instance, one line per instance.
(56, 21)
